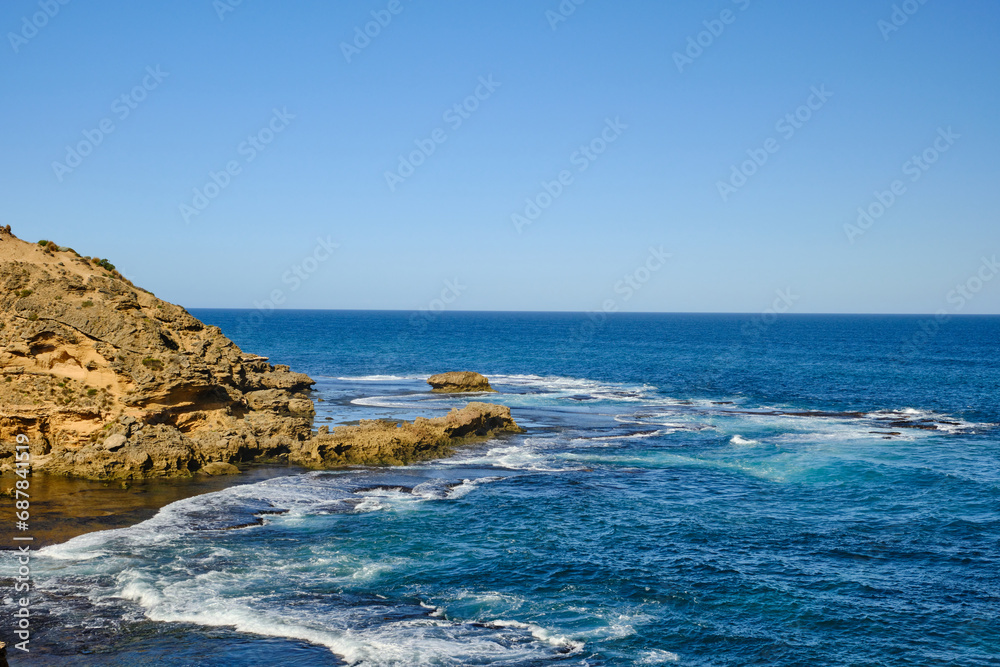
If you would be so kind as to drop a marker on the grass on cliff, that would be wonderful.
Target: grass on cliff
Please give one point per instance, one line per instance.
(112, 271)
(152, 364)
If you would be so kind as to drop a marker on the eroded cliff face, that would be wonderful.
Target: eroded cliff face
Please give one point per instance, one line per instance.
(107, 381)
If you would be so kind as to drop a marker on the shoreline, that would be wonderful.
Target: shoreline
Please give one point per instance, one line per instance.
(66, 507)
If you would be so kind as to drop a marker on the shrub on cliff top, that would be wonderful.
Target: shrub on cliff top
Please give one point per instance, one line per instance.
(103, 263)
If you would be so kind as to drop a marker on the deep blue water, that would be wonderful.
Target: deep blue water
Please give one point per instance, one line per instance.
(692, 490)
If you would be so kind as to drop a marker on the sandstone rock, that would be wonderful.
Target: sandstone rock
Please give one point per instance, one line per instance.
(459, 382)
(301, 406)
(268, 399)
(142, 461)
(107, 381)
(219, 468)
(388, 443)
(115, 442)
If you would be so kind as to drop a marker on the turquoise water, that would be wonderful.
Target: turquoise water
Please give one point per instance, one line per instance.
(691, 490)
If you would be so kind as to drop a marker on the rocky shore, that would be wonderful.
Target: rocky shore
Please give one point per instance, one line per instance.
(109, 382)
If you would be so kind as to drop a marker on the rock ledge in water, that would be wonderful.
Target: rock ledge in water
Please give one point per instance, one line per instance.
(459, 382)
(380, 442)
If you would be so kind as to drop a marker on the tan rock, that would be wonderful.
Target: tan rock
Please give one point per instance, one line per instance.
(459, 382)
(301, 406)
(219, 468)
(389, 443)
(107, 381)
(115, 442)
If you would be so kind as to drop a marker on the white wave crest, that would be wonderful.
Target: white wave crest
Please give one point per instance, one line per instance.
(658, 657)
(381, 378)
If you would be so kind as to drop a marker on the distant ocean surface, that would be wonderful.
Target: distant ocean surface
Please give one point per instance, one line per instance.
(692, 490)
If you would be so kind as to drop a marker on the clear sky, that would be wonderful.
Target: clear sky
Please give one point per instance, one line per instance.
(310, 114)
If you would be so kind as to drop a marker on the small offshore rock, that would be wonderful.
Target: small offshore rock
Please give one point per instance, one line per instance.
(457, 382)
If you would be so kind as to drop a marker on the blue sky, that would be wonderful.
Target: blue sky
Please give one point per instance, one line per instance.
(336, 124)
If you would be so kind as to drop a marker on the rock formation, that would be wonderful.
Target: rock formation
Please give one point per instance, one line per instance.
(107, 381)
(459, 382)
(379, 442)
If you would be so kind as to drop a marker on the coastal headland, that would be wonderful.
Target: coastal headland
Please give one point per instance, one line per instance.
(111, 384)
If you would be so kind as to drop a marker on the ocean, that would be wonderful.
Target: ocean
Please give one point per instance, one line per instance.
(691, 490)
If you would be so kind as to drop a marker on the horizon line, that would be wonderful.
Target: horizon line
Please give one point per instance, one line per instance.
(588, 312)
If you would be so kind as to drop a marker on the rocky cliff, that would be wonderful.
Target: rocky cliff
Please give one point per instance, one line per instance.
(107, 381)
